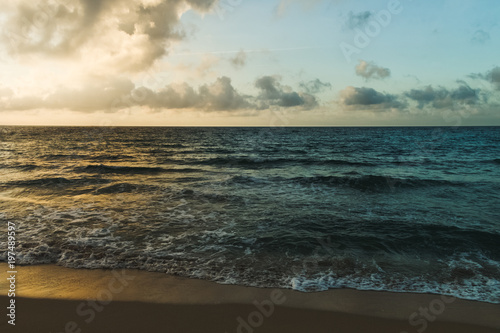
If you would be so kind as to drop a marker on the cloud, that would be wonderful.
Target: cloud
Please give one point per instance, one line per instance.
(492, 76)
(368, 98)
(480, 37)
(91, 97)
(372, 71)
(217, 96)
(358, 20)
(126, 35)
(117, 94)
(221, 95)
(272, 93)
(314, 86)
(239, 60)
(364, 98)
(112, 95)
(208, 62)
(441, 98)
(5, 93)
(205, 66)
(88, 97)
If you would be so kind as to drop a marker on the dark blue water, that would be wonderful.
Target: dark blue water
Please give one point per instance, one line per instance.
(400, 209)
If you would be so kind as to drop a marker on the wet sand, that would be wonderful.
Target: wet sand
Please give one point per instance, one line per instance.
(55, 299)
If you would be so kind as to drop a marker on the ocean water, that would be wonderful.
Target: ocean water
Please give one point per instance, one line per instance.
(397, 209)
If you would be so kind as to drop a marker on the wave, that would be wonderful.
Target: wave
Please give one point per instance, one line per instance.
(469, 275)
(22, 167)
(374, 182)
(57, 157)
(111, 157)
(118, 169)
(123, 188)
(249, 162)
(241, 179)
(419, 238)
(56, 181)
(364, 183)
(412, 162)
(105, 157)
(196, 151)
(343, 162)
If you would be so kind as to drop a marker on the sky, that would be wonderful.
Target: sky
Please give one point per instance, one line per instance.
(250, 62)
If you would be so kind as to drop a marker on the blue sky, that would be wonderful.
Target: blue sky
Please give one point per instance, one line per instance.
(247, 63)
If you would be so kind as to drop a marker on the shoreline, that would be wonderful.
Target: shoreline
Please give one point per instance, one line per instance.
(48, 295)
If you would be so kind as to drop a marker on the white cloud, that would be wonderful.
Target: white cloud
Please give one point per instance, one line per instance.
(369, 70)
(110, 35)
(272, 93)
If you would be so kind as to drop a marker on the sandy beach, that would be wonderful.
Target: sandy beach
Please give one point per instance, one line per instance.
(55, 299)
(231, 166)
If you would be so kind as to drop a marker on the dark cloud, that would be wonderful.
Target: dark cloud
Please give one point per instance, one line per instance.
(480, 37)
(272, 93)
(369, 70)
(492, 76)
(358, 20)
(440, 98)
(314, 86)
(353, 96)
(426, 96)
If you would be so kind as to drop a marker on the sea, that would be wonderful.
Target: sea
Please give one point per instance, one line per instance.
(402, 209)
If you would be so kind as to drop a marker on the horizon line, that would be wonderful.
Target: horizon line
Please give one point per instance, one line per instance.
(249, 126)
